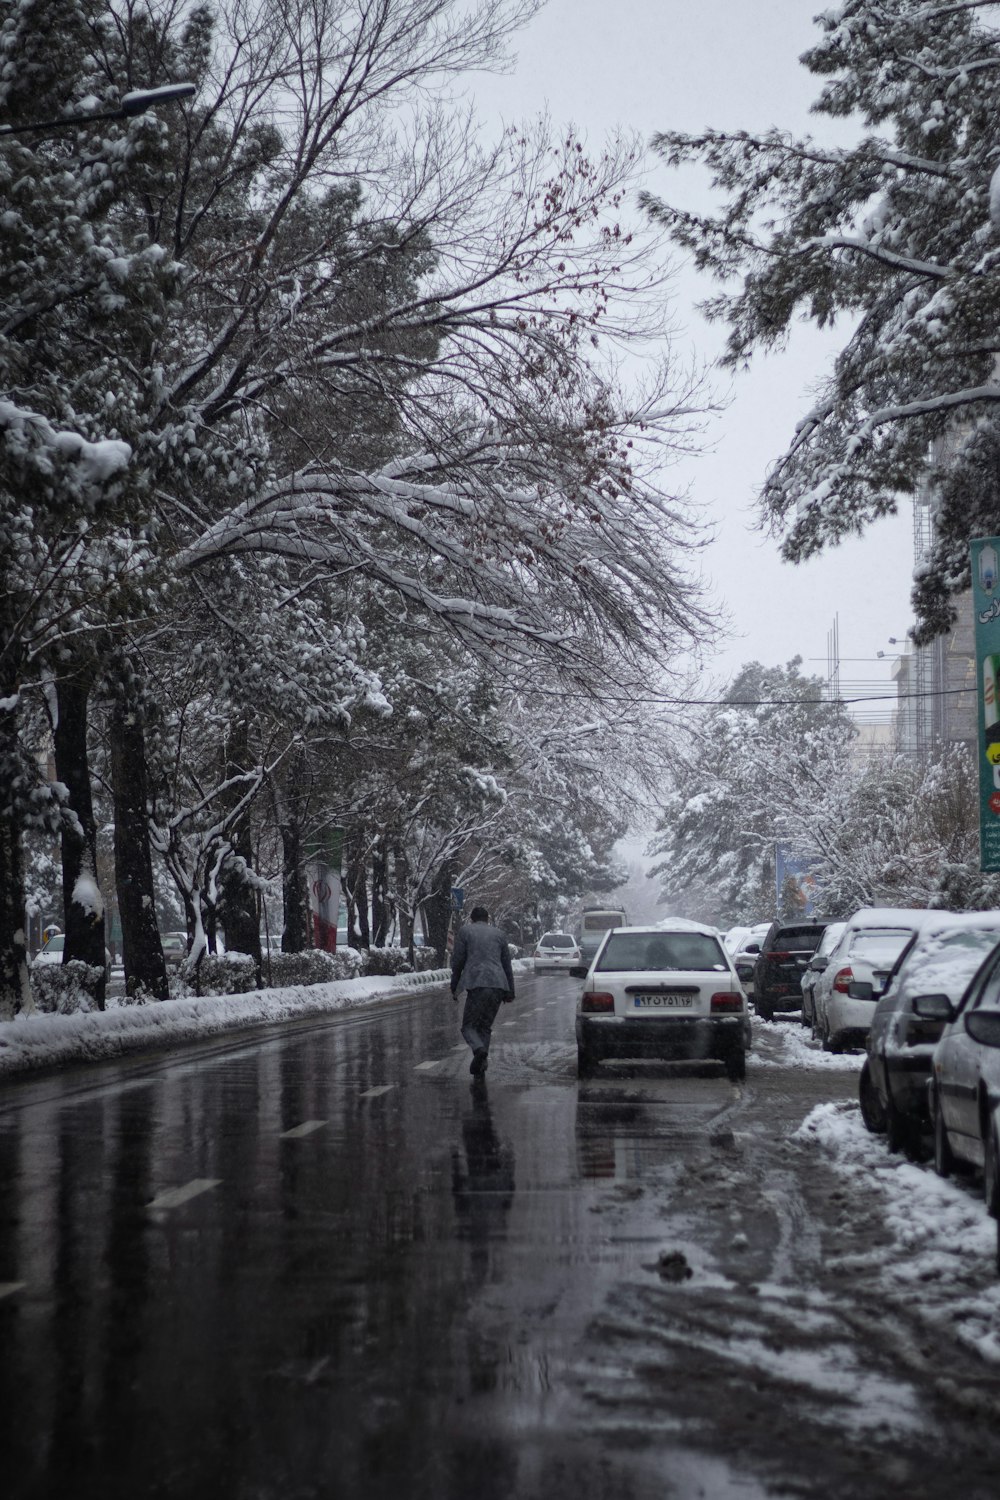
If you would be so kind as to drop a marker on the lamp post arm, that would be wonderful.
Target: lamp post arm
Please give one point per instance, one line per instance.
(135, 103)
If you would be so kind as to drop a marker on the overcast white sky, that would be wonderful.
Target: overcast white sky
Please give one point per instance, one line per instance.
(648, 65)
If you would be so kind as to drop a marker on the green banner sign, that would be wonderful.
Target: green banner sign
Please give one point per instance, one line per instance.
(327, 847)
(986, 604)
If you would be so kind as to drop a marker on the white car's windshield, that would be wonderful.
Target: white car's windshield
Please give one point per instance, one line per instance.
(630, 952)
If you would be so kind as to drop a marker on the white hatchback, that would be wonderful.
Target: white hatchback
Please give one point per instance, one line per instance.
(556, 950)
(666, 992)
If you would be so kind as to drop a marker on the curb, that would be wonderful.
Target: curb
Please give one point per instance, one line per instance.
(29, 1044)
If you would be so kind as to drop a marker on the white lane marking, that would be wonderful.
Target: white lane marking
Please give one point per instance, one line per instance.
(382, 1088)
(306, 1128)
(460, 1047)
(8, 1288)
(508, 1023)
(434, 1062)
(174, 1197)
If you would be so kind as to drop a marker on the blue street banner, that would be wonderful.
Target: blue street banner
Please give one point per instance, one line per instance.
(794, 884)
(986, 607)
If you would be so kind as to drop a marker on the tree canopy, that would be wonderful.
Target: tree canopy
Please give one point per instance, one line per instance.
(896, 239)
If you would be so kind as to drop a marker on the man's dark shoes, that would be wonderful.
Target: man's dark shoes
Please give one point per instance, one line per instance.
(477, 1066)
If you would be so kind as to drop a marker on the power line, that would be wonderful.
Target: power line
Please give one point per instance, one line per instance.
(779, 702)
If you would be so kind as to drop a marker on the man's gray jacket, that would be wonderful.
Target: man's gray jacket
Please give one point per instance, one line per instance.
(481, 960)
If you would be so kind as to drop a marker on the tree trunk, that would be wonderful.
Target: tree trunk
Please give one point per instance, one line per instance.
(401, 872)
(438, 912)
(285, 797)
(380, 915)
(84, 907)
(356, 887)
(142, 951)
(15, 993)
(237, 907)
(295, 930)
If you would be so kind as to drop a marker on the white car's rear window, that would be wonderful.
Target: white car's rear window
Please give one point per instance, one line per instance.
(879, 944)
(648, 952)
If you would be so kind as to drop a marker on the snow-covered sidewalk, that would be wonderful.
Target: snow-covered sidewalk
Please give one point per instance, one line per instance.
(939, 1262)
(44, 1041)
(785, 1044)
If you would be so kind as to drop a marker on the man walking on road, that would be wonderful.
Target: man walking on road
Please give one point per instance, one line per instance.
(481, 966)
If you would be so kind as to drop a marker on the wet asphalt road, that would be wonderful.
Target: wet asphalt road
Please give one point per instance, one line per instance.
(317, 1261)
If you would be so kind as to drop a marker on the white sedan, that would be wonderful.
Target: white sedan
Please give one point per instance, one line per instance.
(845, 993)
(665, 992)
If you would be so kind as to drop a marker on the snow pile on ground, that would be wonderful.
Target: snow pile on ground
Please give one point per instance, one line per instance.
(788, 1045)
(45, 1041)
(941, 1259)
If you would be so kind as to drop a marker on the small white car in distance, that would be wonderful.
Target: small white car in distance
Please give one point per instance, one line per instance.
(52, 953)
(668, 992)
(556, 950)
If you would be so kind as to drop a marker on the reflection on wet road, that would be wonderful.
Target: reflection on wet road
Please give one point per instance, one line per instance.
(323, 1262)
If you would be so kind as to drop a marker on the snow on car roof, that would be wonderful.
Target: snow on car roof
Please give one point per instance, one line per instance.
(914, 918)
(945, 921)
(676, 924)
(941, 960)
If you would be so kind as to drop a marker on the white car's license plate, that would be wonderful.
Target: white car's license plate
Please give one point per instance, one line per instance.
(662, 1002)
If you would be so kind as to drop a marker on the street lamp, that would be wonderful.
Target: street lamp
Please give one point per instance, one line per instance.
(134, 103)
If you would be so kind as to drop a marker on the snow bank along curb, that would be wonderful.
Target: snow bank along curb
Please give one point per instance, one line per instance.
(44, 1041)
(939, 1264)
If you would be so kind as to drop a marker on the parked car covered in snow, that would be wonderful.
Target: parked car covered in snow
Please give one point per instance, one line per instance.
(940, 960)
(964, 1091)
(667, 992)
(814, 968)
(845, 994)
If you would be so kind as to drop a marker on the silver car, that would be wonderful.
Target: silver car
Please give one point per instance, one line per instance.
(965, 1074)
(815, 968)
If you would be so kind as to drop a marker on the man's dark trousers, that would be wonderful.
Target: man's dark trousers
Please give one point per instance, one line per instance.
(480, 1012)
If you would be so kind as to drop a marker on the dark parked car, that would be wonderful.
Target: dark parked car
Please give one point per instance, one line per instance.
(784, 954)
(941, 960)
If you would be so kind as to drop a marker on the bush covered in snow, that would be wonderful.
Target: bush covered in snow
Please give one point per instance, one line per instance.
(312, 967)
(427, 959)
(217, 974)
(388, 961)
(65, 988)
(234, 973)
